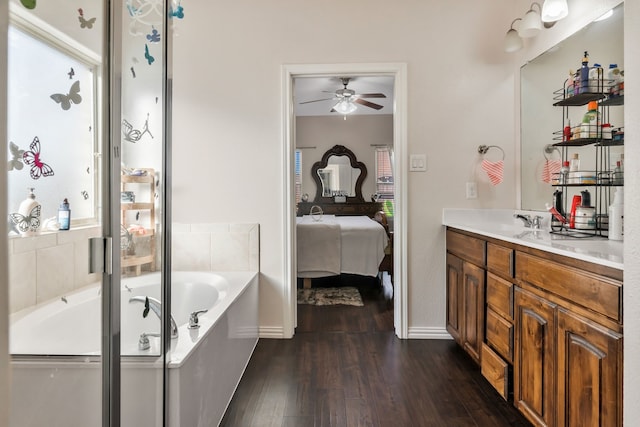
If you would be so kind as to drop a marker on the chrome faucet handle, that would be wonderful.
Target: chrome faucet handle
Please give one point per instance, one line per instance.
(536, 222)
(143, 342)
(193, 319)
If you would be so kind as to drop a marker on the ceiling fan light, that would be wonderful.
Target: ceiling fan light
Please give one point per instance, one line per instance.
(345, 107)
(554, 10)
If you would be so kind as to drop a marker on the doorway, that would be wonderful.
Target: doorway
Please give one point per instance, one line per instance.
(398, 72)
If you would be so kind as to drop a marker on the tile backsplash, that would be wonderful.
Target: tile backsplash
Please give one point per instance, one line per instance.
(53, 264)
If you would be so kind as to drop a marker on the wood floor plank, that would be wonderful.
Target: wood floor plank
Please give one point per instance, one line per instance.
(346, 367)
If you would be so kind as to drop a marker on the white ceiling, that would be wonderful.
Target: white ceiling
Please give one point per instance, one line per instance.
(311, 88)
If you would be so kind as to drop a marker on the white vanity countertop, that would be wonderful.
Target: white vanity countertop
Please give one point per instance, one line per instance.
(500, 224)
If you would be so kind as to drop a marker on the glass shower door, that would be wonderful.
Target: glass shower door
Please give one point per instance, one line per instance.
(57, 200)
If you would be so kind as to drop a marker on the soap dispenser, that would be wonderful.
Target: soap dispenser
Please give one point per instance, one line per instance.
(28, 216)
(64, 215)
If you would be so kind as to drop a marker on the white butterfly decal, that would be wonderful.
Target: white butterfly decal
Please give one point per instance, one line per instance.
(66, 100)
(16, 161)
(27, 223)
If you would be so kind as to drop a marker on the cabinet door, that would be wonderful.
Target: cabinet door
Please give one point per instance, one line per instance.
(535, 355)
(473, 285)
(589, 373)
(455, 297)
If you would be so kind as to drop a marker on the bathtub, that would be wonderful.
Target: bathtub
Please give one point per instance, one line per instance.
(55, 348)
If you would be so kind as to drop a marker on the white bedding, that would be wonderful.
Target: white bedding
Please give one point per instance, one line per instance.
(359, 250)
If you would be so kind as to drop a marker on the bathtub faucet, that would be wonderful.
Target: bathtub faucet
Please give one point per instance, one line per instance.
(156, 307)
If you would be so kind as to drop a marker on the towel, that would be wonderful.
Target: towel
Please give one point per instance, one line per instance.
(494, 170)
(550, 170)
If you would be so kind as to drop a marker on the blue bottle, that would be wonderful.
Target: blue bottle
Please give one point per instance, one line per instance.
(584, 73)
(64, 215)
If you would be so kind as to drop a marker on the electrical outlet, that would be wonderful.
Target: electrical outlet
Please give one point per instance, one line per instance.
(418, 163)
(472, 190)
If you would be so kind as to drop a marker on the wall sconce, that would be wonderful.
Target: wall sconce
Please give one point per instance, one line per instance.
(554, 10)
(512, 41)
(531, 23)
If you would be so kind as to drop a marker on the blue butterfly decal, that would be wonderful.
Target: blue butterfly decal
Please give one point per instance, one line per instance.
(178, 13)
(30, 222)
(132, 10)
(154, 36)
(148, 56)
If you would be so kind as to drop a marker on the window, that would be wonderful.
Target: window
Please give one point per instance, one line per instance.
(384, 178)
(298, 175)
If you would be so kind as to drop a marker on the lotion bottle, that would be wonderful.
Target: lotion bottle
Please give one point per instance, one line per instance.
(64, 215)
(616, 216)
(29, 213)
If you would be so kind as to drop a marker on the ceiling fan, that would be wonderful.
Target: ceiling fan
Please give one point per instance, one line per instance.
(347, 97)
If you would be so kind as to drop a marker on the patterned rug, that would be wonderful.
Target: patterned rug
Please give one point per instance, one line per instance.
(330, 296)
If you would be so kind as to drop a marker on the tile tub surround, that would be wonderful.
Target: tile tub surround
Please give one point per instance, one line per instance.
(215, 247)
(500, 224)
(48, 265)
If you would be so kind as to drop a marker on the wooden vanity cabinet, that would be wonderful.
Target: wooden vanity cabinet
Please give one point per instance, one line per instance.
(466, 291)
(552, 329)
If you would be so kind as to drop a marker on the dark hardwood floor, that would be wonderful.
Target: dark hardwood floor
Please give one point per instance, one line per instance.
(345, 367)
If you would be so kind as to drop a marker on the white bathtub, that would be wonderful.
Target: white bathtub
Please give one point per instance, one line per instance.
(205, 363)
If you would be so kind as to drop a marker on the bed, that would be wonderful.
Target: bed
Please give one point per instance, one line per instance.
(337, 245)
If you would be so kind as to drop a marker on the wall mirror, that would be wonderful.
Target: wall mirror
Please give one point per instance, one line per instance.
(339, 172)
(543, 75)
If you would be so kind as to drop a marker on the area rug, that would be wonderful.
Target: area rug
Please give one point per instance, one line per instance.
(330, 296)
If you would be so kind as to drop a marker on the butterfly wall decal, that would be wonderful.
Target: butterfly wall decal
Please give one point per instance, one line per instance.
(16, 154)
(133, 135)
(85, 23)
(154, 36)
(85, 194)
(71, 73)
(133, 72)
(147, 55)
(177, 13)
(32, 158)
(30, 222)
(72, 97)
(133, 11)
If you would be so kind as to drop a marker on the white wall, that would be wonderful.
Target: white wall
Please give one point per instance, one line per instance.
(357, 133)
(228, 136)
(4, 277)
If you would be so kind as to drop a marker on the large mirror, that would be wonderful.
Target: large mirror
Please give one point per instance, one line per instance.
(539, 79)
(339, 173)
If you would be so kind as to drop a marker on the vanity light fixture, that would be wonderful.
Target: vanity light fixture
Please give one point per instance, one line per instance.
(554, 10)
(512, 41)
(531, 23)
(345, 106)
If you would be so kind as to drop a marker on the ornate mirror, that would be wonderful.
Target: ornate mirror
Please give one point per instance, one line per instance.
(338, 173)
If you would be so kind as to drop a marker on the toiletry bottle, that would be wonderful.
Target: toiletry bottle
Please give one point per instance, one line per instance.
(590, 121)
(595, 79)
(574, 167)
(584, 73)
(29, 213)
(613, 75)
(564, 173)
(64, 215)
(577, 201)
(570, 85)
(618, 177)
(557, 214)
(586, 198)
(616, 216)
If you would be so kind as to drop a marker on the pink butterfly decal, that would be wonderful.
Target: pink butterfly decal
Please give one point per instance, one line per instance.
(32, 158)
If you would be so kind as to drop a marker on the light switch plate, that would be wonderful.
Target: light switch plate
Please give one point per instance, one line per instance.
(418, 163)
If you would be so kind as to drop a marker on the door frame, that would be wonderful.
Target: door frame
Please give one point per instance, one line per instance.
(399, 72)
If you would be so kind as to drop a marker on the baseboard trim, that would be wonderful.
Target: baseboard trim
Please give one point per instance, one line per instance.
(428, 333)
(271, 332)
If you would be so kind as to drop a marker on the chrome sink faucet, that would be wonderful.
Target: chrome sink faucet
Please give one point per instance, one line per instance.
(530, 222)
(156, 307)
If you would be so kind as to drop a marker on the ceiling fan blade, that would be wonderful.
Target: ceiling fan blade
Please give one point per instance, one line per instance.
(367, 103)
(371, 95)
(316, 100)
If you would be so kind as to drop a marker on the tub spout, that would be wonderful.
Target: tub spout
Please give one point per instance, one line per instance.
(156, 307)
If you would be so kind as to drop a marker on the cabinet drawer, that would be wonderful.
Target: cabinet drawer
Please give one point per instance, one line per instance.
(500, 334)
(500, 260)
(596, 293)
(495, 370)
(466, 247)
(500, 295)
